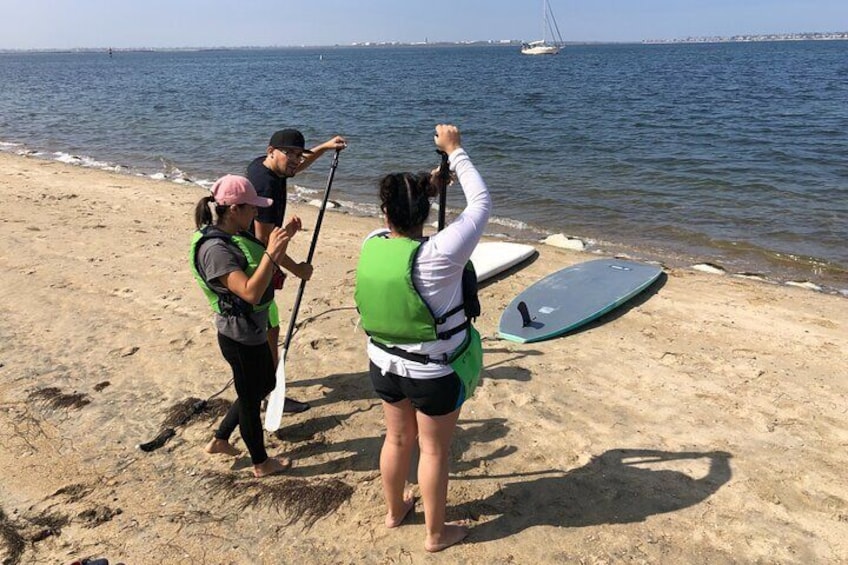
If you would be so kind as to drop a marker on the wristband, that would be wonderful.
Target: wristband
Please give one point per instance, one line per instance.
(273, 262)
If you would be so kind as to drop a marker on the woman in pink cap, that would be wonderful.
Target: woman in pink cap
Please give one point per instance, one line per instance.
(235, 271)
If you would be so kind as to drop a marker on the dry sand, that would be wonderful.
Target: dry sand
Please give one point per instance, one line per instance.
(703, 423)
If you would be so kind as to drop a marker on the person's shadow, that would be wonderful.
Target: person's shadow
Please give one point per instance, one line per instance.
(350, 387)
(620, 486)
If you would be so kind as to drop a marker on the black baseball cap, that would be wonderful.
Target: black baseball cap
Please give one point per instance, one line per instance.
(288, 139)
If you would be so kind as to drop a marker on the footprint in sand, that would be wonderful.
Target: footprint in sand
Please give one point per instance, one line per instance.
(181, 344)
(323, 342)
(125, 351)
(123, 292)
(669, 358)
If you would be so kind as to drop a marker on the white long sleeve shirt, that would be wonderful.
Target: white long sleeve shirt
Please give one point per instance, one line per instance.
(437, 273)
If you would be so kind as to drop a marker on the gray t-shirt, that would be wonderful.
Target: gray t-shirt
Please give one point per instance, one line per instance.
(216, 258)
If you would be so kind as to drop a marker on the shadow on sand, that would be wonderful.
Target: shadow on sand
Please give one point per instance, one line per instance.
(617, 487)
(363, 454)
(350, 387)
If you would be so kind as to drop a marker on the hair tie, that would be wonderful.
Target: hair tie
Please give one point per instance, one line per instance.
(213, 208)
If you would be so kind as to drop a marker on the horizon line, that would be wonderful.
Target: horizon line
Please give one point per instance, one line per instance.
(784, 36)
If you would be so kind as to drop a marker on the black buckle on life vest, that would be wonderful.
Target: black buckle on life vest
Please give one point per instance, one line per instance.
(447, 334)
(415, 357)
(444, 317)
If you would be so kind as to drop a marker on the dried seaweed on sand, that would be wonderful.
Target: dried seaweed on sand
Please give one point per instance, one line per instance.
(181, 413)
(53, 397)
(12, 539)
(48, 525)
(301, 500)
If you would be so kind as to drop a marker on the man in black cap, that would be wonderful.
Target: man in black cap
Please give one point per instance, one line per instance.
(285, 156)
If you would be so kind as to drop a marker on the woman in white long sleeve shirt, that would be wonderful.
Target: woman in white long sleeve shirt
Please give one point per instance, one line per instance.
(424, 354)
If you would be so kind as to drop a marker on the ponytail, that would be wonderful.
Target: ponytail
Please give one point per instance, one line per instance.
(203, 211)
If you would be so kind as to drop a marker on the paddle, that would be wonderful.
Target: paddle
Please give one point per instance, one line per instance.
(277, 398)
(444, 179)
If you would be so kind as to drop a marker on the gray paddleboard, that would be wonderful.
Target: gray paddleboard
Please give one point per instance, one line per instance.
(574, 296)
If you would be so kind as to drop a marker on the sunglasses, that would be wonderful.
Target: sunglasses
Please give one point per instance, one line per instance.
(295, 156)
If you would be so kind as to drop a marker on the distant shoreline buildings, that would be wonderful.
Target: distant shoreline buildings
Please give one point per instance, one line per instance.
(807, 36)
(750, 38)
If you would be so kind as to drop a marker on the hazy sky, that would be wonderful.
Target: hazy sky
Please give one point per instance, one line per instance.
(38, 24)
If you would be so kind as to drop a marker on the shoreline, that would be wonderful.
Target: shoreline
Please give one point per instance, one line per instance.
(835, 282)
(703, 422)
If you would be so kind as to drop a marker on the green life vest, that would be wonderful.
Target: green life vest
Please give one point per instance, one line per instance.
(390, 306)
(393, 311)
(228, 304)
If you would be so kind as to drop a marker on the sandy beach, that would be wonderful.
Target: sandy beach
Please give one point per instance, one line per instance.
(704, 422)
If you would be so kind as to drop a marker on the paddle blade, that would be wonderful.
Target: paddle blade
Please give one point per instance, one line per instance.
(277, 398)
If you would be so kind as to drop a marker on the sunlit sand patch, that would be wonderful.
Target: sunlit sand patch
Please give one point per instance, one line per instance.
(694, 468)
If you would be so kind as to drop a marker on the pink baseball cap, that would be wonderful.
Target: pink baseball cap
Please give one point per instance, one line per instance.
(234, 189)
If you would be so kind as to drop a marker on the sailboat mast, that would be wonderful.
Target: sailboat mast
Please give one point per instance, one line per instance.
(549, 27)
(555, 33)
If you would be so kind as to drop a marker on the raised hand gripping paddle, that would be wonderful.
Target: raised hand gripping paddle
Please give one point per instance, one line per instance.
(277, 398)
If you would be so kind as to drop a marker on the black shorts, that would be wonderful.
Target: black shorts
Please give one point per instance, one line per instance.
(434, 397)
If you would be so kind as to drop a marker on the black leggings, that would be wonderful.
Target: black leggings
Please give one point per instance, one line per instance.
(253, 375)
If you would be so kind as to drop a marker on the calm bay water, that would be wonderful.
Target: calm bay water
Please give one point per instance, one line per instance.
(734, 154)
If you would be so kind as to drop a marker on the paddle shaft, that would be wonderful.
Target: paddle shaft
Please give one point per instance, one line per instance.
(312, 246)
(444, 178)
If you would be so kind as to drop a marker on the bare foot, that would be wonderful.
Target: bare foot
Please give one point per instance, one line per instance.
(271, 466)
(408, 505)
(221, 446)
(452, 534)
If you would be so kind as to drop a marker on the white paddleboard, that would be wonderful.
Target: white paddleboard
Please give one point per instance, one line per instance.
(493, 257)
(277, 398)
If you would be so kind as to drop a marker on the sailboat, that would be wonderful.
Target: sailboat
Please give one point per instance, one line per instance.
(549, 27)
